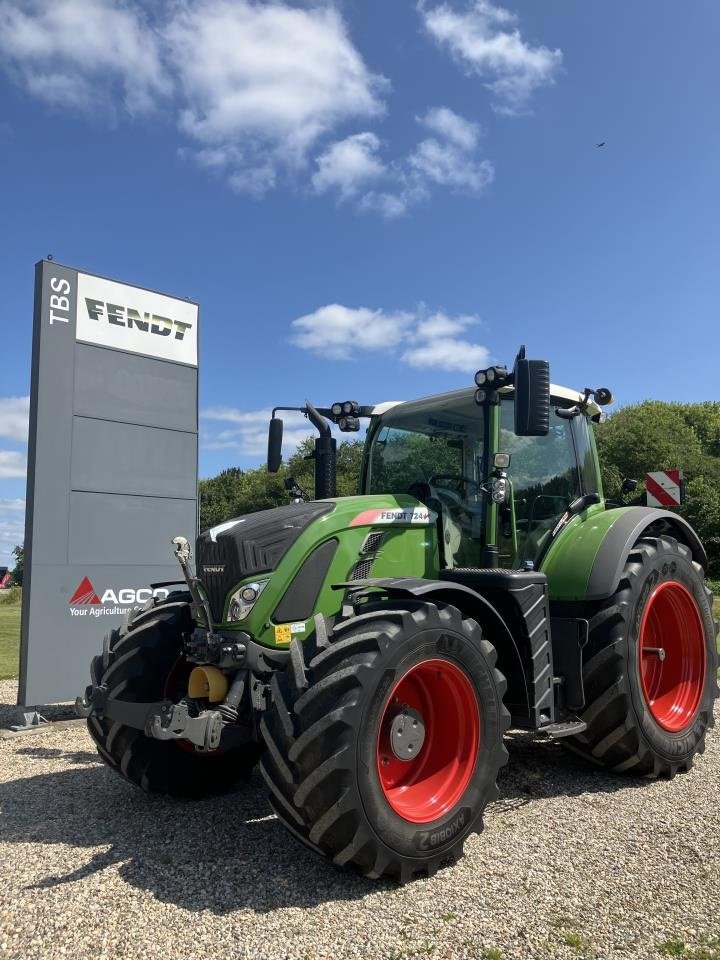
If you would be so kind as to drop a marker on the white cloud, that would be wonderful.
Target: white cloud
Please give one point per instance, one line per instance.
(254, 84)
(449, 159)
(429, 340)
(14, 415)
(263, 82)
(12, 464)
(450, 166)
(485, 39)
(261, 87)
(338, 332)
(451, 126)
(248, 436)
(12, 506)
(74, 52)
(349, 165)
(437, 344)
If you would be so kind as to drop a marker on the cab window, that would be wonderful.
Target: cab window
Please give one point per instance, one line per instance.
(545, 479)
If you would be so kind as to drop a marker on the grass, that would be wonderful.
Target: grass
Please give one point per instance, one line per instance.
(9, 640)
(707, 950)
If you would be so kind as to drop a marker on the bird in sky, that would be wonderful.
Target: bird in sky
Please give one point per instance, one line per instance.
(600, 144)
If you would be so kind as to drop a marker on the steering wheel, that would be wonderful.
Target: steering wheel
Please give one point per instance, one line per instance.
(458, 479)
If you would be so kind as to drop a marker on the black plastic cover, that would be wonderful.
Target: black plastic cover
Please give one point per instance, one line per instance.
(249, 546)
(298, 601)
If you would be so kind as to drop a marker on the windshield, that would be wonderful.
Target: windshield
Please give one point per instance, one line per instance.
(434, 451)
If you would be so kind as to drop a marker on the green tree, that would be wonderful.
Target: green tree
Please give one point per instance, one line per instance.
(655, 435)
(19, 554)
(235, 492)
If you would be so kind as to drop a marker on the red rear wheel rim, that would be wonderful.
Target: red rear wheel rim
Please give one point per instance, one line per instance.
(429, 785)
(672, 656)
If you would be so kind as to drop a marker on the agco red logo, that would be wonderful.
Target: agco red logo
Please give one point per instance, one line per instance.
(86, 600)
(85, 593)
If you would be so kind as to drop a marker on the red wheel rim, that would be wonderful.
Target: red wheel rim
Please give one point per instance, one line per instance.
(429, 785)
(672, 656)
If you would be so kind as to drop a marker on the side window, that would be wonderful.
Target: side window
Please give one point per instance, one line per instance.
(544, 479)
(586, 455)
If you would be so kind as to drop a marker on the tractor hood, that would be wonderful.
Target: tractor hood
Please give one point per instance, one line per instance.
(250, 545)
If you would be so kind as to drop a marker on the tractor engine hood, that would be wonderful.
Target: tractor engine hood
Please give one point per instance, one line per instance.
(250, 545)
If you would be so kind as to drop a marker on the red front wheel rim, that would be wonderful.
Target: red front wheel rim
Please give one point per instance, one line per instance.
(672, 656)
(427, 786)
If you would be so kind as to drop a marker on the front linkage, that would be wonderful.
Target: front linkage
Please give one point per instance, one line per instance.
(208, 717)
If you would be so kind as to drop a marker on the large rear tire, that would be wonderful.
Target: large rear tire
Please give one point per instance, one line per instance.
(384, 739)
(651, 665)
(143, 663)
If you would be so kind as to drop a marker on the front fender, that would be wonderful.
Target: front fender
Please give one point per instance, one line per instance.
(587, 559)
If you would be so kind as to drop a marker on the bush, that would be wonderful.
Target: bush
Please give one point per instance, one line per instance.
(13, 595)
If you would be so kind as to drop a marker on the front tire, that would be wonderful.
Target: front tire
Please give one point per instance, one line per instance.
(422, 680)
(143, 663)
(651, 665)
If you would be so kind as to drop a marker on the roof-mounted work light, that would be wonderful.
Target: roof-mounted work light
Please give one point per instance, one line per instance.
(488, 381)
(349, 424)
(492, 377)
(347, 408)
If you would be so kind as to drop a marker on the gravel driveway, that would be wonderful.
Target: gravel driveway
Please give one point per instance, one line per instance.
(572, 863)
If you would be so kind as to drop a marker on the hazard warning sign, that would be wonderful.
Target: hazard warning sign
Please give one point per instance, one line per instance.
(664, 488)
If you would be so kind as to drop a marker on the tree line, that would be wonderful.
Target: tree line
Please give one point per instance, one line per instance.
(653, 435)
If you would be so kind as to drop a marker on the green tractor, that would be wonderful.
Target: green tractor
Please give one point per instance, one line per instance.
(371, 651)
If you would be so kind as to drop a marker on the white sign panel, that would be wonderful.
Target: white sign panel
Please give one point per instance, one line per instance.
(116, 315)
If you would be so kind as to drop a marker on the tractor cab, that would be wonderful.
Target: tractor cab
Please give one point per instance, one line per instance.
(450, 453)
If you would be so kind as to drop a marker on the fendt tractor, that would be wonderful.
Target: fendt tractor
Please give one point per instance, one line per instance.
(371, 651)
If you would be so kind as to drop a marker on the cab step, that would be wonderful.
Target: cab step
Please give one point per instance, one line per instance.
(568, 728)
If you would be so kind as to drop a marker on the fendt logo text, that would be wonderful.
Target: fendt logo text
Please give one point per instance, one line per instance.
(120, 316)
(87, 602)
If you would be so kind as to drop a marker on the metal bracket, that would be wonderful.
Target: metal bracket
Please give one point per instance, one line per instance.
(27, 718)
(175, 723)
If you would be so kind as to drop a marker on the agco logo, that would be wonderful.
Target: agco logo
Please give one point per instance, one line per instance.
(120, 316)
(87, 602)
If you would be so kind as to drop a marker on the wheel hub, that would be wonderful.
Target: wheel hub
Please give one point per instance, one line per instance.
(407, 734)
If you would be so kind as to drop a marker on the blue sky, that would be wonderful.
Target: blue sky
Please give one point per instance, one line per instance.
(369, 198)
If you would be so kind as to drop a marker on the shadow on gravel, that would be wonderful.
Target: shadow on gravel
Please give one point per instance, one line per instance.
(539, 769)
(229, 853)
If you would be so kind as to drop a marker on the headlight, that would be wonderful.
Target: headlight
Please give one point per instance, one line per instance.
(243, 600)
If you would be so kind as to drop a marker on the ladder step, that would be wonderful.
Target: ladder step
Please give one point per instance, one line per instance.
(567, 728)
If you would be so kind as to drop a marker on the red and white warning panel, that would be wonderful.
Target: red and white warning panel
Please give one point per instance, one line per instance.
(664, 488)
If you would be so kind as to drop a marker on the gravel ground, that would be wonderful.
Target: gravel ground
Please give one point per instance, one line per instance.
(572, 863)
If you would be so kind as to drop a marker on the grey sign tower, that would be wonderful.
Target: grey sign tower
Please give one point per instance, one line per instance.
(112, 465)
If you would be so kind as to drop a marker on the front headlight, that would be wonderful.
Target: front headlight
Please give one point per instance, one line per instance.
(244, 599)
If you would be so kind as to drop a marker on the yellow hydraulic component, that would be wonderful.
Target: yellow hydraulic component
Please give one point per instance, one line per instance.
(208, 682)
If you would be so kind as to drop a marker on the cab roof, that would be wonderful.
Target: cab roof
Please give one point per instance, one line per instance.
(556, 393)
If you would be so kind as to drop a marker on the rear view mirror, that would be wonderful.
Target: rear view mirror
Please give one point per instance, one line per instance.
(275, 435)
(532, 396)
